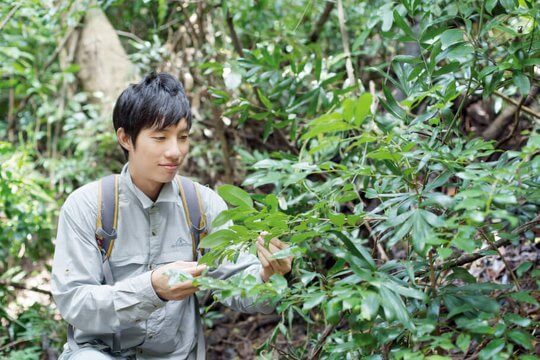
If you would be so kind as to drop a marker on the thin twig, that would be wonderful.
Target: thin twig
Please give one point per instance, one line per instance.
(9, 16)
(345, 41)
(236, 42)
(515, 125)
(130, 35)
(320, 23)
(516, 282)
(13, 343)
(326, 333)
(24, 287)
(468, 258)
(524, 108)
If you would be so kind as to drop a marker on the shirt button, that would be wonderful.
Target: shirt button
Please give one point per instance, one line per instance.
(153, 233)
(152, 266)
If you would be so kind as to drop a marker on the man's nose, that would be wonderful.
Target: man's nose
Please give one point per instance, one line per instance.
(173, 150)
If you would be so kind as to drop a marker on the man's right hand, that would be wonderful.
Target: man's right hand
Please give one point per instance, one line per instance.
(181, 290)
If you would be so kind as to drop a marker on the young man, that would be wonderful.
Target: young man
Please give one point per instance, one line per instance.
(138, 315)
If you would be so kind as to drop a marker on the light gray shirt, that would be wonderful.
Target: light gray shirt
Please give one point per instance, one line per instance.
(150, 234)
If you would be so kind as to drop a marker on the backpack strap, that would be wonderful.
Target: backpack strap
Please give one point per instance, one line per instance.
(193, 209)
(196, 220)
(106, 234)
(107, 216)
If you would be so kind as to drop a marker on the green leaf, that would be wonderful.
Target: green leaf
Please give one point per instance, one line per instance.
(294, 251)
(337, 219)
(399, 21)
(451, 37)
(518, 320)
(313, 300)
(525, 297)
(460, 52)
(370, 305)
(463, 341)
(264, 99)
(521, 338)
(490, 5)
(523, 268)
(235, 196)
(522, 83)
(217, 238)
(362, 108)
(394, 306)
(491, 349)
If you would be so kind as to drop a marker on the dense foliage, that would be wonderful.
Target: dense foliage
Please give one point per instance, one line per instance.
(349, 123)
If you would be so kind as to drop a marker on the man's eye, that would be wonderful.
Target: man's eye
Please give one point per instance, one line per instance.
(160, 138)
(184, 137)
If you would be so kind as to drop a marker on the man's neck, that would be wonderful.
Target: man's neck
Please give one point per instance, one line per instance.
(149, 188)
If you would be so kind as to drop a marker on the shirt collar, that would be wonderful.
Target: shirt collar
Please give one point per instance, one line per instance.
(168, 192)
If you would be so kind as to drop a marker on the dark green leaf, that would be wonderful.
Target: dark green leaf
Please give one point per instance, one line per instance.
(491, 349)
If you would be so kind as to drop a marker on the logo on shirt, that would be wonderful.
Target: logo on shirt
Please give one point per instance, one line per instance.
(182, 242)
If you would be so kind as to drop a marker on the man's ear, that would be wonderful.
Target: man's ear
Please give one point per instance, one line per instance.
(124, 139)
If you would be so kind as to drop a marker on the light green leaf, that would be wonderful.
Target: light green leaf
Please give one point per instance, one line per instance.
(463, 341)
(518, 320)
(451, 37)
(522, 83)
(313, 300)
(362, 108)
(235, 196)
(264, 99)
(370, 305)
(217, 238)
(402, 24)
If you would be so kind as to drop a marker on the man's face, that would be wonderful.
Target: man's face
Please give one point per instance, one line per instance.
(158, 154)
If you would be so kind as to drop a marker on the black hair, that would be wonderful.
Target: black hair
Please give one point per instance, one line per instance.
(158, 101)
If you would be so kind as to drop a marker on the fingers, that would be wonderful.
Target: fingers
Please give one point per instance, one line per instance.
(278, 243)
(197, 270)
(266, 258)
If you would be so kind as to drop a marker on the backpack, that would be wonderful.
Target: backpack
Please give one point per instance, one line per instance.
(107, 214)
(106, 234)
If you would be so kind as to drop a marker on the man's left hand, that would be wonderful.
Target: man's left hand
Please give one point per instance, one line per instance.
(271, 266)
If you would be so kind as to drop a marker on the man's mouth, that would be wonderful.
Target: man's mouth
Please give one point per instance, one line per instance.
(170, 166)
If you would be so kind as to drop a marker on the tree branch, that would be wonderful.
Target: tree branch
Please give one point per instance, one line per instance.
(499, 124)
(316, 352)
(236, 42)
(24, 287)
(345, 41)
(524, 108)
(320, 23)
(9, 16)
(468, 258)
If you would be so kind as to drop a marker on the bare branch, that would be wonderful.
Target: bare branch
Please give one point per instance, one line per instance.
(24, 287)
(345, 41)
(236, 42)
(525, 109)
(9, 16)
(320, 23)
(468, 258)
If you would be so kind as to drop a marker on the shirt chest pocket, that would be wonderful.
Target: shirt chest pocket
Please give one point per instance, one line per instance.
(182, 254)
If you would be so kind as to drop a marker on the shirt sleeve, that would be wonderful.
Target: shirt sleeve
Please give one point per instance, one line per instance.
(82, 299)
(246, 264)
